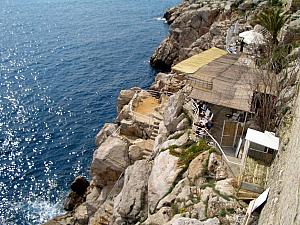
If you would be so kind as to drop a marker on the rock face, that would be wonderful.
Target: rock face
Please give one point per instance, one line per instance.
(125, 97)
(198, 167)
(106, 131)
(184, 31)
(173, 110)
(72, 201)
(188, 221)
(131, 203)
(80, 185)
(282, 206)
(163, 174)
(109, 161)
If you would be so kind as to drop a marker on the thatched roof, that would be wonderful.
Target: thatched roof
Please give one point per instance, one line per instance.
(222, 80)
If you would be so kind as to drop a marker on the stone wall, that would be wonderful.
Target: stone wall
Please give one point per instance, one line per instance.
(283, 204)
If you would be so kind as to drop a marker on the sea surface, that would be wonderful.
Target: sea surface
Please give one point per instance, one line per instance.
(62, 65)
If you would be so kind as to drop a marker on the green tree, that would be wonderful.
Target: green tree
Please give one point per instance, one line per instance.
(273, 19)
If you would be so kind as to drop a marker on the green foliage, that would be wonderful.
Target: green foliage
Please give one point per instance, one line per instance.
(275, 3)
(182, 210)
(273, 19)
(210, 184)
(230, 210)
(174, 209)
(196, 200)
(222, 213)
(191, 152)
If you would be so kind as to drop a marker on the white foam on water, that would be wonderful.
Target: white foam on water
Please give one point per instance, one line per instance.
(40, 211)
(161, 19)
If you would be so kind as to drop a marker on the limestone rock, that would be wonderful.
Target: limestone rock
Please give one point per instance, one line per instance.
(61, 220)
(130, 204)
(81, 214)
(199, 210)
(174, 194)
(72, 201)
(124, 114)
(106, 131)
(93, 194)
(124, 97)
(182, 140)
(217, 204)
(135, 153)
(183, 124)
(177, 220)
(198, 166)
(226, 186)
(109, 161)
(162, 216)
(163, 174)
(184, 30)
(173, 110)
(207, 193)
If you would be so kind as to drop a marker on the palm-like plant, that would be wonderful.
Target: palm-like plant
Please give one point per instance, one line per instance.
(273, 19)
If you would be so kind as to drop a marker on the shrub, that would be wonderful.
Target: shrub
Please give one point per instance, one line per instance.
(191, 152)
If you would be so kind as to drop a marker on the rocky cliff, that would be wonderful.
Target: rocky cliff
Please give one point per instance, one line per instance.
(149, 168)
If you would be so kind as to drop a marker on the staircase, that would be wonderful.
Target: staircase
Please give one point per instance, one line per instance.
(155, 130)
(157, 119)
(147, 153)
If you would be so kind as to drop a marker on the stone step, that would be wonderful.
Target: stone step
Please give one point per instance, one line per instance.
(156, 127)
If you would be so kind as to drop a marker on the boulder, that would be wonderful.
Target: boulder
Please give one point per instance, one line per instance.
(72, 201)
(207, 193)
(81, 215)
(162, 216)
(218, 204)
(170, 198)
(61, 220)
(109, 161)
(135, 153)
(163, 175)
(130, 204)
(80, 185)
(178, 220)
(198, 167)
(125, 96)
(181, 141)
(225, 187)
(173, 110)
(93, 194)
(183, 124)
(199, 211)
(106, 131)
(190, 25)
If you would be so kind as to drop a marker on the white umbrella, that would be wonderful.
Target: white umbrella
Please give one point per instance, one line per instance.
(252, 37)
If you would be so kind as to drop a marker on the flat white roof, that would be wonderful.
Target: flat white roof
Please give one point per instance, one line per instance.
(266, 139)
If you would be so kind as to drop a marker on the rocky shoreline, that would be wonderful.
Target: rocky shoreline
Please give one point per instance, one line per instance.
(149, 168)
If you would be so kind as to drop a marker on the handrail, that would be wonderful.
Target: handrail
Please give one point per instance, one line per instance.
(220, 148)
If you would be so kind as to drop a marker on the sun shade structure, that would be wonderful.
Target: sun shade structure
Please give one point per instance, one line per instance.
(219, 78)
(252, 37)
(266, 139)
(192, 64)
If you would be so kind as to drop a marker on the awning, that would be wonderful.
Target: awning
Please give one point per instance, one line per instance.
(266, 139)
(252, 37)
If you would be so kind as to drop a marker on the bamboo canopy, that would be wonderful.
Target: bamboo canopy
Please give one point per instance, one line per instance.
(194, 63)
(220, 78)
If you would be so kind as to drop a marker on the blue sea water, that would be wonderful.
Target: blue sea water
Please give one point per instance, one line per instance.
(62, 65)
